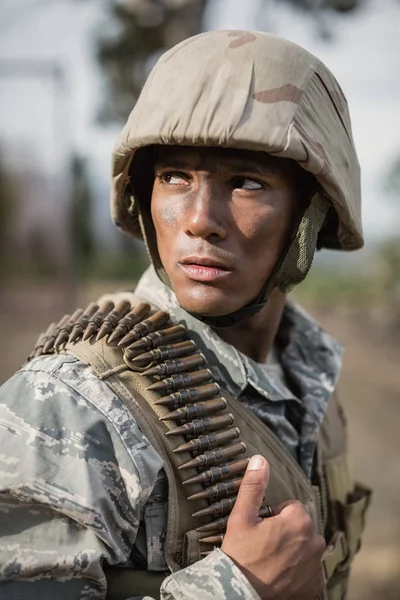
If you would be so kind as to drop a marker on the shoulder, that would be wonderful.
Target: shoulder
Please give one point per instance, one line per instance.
(56, 407)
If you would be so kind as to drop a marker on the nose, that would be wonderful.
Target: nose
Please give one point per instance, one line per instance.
(206, 217)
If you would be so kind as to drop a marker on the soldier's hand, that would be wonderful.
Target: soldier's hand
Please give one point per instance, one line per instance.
(280, 556)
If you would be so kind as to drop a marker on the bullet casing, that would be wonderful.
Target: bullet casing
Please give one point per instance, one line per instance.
(206, 442)
(214, 457)
(170, 367)
(157, 338)
(199, 426)
(221, 508)
(82, 322)
(144, 327)
(192, 411)
(131, 319)
(165, 352)
(180, 380)
(219, 473)
(188, 395)
(111, 320)
(96, 320)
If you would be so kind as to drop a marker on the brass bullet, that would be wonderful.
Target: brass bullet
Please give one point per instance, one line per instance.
(219, 490)
(220, 508)
(219, 473)
(157, 338)
(38, 346)
(51, 337)
(110, 322)
(205, 442)
(221, 523)
(81, 323)
(213, 457)
(170, 367)
(138, 313)
(164, 352)
(63, 333)
(144, 327)
(202, 425)
(213, 539)
(40, 342)
(189, 395)
(180, 380)
(193, 411)
(96, 320)
(217, 525)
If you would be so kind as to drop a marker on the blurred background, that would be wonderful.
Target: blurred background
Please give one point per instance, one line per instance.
(70, 72)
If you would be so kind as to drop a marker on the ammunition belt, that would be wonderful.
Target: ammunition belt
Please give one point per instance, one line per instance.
(155, 347)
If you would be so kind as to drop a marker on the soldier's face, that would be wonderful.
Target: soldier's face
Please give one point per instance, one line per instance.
(222, 219)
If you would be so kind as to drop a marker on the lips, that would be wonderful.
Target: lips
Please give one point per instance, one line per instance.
(205, 269)
(205, 261)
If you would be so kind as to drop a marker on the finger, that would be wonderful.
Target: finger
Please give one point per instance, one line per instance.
(252, 490)
(279, 507)
(295, 507)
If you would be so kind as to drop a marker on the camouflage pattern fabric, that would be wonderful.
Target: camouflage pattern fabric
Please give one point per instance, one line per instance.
(247, 90)
(81, 485)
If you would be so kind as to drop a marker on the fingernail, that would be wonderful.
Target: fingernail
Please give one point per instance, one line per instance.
(256, 463)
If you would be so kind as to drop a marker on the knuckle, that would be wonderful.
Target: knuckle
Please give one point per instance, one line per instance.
(304, 520)
(294, 510)
(320, 544)
(307, 524)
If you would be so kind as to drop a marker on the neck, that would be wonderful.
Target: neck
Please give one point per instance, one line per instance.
(255, 337)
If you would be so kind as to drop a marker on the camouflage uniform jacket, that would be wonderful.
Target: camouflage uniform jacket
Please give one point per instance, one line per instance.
(80, 484)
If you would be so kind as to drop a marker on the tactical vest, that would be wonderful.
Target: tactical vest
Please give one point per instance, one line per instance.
(205, 437)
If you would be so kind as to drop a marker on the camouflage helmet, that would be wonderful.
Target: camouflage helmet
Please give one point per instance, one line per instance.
(254, 91)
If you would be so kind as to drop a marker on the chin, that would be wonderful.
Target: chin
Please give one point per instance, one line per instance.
(209, 304)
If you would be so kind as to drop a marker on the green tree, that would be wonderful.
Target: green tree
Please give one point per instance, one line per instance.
(389, 249)
(81, 214)
(7, 204)
(143, 29)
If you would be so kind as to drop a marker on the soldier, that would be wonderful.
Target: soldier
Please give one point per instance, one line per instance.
(126, 440)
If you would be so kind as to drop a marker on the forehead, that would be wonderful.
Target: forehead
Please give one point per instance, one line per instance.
(221, 159)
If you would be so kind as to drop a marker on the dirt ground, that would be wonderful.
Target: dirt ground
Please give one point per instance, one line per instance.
(370, 392)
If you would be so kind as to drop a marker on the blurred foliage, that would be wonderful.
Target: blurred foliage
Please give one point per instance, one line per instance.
(81, 212)
(341, 6)
(389, 260)
(328, 288)
(143, 29)
(124, 267)
(389, 250)
(7, 203)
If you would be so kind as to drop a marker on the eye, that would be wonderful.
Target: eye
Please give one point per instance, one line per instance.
(173, 178)
(245, 183)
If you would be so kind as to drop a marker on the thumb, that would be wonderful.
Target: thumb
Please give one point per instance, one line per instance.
(252, 490)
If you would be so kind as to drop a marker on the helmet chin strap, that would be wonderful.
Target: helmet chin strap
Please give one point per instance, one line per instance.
(236, 317)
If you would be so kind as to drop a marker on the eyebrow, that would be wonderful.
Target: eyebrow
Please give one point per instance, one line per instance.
(231, 165)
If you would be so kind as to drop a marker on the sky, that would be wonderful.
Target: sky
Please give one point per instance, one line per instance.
(43, 119)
